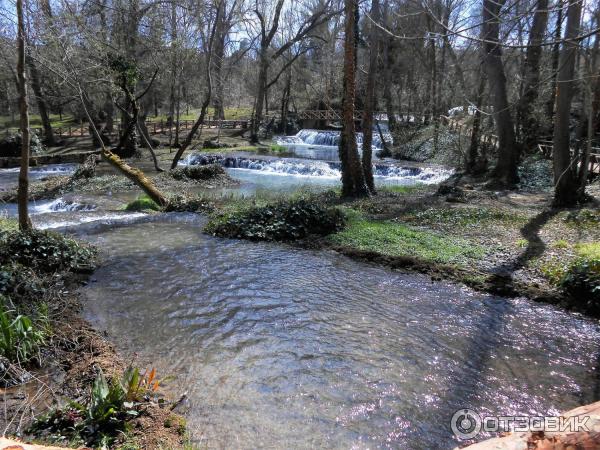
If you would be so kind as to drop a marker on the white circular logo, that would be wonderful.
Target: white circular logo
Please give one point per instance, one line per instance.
(466, 423)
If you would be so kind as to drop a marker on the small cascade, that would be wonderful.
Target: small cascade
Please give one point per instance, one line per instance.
(330, 138)
(62, 205)
(323, 169)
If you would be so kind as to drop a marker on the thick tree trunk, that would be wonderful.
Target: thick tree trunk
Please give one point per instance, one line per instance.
(260, 95)
(219, 57)
(41, 102)
(566, 192)
(23, 189)
(527, 118)
(505, 171)
(370, 101)
(353, 180)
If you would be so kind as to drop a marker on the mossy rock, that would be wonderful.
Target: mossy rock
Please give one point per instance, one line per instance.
(142, 203)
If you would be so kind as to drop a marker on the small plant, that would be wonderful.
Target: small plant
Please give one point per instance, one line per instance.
(20, 337)
(582, 278)
(522, 243)
(560, 244)
(111, 405)
(553, 270)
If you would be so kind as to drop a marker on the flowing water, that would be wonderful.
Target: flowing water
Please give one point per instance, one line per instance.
(278, 347)
(285, 348)
(323, 144)
(287, 173)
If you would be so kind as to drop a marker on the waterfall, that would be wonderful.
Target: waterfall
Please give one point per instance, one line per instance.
(324, 169)
(61, 205)
(330, 138)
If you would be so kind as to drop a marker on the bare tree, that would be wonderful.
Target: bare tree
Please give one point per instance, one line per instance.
(505, 171)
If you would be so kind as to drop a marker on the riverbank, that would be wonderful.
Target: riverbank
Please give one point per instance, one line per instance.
(505, 243)
(51, 359)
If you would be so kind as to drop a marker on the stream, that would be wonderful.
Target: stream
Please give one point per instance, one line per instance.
(278, 347)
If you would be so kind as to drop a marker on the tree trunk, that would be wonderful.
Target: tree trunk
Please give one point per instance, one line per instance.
(387, 75)
(527, 118)
(370, 102)
(555, 57)
(566, 192)
(260, 95)
(474, 163)
(23, 190)
(353, 180)
(505, 171)
(41, 102)
(219, 57)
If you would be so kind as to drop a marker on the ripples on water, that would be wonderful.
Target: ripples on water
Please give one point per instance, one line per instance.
(285, 348)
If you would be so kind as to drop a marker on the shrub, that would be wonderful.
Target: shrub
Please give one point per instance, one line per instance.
(44, 251)
(188, 203)
(282, 221)
(198, 172)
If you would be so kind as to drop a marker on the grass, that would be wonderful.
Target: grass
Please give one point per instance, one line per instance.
(464, 216)
(36, 122)
(590, 250)
(231, 113)
(395, 239)
(403, 189)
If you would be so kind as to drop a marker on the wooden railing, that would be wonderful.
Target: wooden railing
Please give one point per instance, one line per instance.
(153, 127)
(544, 147)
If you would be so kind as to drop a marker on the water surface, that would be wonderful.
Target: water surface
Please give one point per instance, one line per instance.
(285, 348)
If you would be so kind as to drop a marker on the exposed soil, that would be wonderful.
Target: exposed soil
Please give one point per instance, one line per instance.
(70, 364)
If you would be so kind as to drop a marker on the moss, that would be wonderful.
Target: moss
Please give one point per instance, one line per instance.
(395, 239)
(142, 203)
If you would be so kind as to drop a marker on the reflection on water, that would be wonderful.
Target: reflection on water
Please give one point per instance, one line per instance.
(286, 348)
